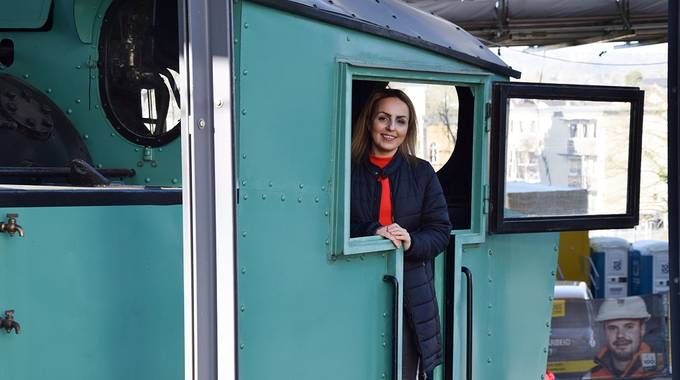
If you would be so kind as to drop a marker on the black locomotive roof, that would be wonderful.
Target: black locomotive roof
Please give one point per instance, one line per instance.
(399, 21)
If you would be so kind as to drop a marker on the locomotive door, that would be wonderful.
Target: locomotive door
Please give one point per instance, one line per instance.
(95, 289)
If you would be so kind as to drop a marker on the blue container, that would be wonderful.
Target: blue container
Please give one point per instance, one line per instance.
(648, 267)
(609, 270)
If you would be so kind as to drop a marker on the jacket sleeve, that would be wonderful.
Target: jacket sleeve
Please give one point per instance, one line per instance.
(432, 236)
(363, 229)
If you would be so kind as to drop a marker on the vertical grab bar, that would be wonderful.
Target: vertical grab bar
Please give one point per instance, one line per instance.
(395, 322)
(468, 343)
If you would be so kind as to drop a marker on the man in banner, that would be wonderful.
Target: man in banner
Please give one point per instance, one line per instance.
(625, 355)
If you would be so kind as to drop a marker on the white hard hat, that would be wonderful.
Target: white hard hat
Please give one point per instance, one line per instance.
(622, 308)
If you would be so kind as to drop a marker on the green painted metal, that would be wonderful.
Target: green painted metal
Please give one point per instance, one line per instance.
(97, 291)
(72, 82)
(513, 285)
(85, 16)
(25, 14)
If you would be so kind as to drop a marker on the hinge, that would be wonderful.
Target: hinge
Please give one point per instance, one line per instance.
(485, 201)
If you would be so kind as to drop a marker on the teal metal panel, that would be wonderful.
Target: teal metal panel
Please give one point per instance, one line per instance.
(72, 82)
(304, 314)
(98, 292)
(25, 14)
(513, 285)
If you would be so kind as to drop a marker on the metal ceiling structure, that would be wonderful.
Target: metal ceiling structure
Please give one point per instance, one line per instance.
(550, 22)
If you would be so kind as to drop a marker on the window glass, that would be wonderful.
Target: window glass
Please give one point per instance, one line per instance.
(556, 162)
(437, 108)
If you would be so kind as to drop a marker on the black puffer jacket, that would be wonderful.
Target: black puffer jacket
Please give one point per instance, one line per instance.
(419, 206)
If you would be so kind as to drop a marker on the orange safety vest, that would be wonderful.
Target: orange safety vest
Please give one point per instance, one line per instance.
(634, 369)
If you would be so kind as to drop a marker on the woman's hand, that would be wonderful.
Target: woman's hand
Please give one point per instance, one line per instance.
(396, 234)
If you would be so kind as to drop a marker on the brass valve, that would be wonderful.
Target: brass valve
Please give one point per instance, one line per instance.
(11, 226)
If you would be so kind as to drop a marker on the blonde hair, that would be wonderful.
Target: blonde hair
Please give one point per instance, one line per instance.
(361, 133)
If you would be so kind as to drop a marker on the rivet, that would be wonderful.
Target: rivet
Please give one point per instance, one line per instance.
(550, 298)
(301, 186)
(323, 188)
(245, 72)
(325, 213)
(201, 123)
(99, 166)
(552, 272)
(235, 40)
(86, 136)
(78, 67)
(244, 111)
(243, 308)
(316, 199)
(490, 252)
(490, 280)
(160, 149)
(384, 344)
(78, 101)
(547, 324)
(242, 346)
(243, 270)
(140, 164)
(488, 360)
(244, 156)
(26, 76)
(489, 333)
(264, 196)
(147, 179)
(246, 25)
(555, 248)
(244, 182)
(112, 134)
(283, 198)
(327, 242)
(490, 306)
(174, 180)
(136, 149)
(244, 233)
(383, 375)
(245, 197)
(545, 350)
(92, 76)
(220, 103)
(384, 315)
(270, 184)
(49, 90)
(69, 111)
(299, 199)
(348, 39)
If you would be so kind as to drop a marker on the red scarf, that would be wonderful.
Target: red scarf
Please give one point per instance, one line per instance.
(385, 196)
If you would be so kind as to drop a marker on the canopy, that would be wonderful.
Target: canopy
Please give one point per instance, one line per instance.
(550, 22)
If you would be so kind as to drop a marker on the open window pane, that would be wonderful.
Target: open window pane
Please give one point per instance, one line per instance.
(557, 164)
(565, 157)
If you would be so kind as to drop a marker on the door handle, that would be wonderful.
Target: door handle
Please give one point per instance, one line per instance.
(8, 323)
(11, 226)
(468, 350)
(395, 322)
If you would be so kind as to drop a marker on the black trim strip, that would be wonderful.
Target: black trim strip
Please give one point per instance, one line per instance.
(356, 24)
(85, 197)
(502, 92)
(673, 173)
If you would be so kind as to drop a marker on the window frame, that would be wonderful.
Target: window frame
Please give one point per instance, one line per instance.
(339, 241)
(501, 93)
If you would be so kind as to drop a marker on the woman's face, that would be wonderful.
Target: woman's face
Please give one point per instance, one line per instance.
(389, 127)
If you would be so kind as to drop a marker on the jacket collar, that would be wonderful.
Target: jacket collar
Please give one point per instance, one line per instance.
(388, 170)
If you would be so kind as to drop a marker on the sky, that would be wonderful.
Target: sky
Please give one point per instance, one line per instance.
(598, 63)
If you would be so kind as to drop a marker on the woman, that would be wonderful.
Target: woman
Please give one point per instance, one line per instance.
(398, 196)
